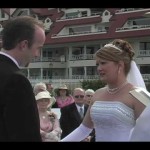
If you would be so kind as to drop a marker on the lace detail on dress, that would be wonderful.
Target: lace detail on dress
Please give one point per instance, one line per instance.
(112, 120)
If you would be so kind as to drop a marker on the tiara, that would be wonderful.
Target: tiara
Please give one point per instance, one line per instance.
(113, 46)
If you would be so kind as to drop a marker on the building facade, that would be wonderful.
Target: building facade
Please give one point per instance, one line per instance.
(73, 35)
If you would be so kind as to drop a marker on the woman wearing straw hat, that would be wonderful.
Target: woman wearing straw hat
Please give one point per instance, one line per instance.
(41, 86)
(49, 124)
(63, 98)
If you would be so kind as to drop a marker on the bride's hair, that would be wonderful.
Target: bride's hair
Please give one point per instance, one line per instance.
(117, 50)
(121, 50)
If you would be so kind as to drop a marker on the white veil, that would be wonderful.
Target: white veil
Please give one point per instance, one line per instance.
(134, 76)
(141, 131)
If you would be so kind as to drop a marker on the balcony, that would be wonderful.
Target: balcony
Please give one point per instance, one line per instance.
(128, 10)
(132, 28)
(79, 33)
(82, 57)
(144, 53)
(79, 17)
(76, 79)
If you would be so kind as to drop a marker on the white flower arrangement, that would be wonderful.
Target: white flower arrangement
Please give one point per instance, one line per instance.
(113, 46)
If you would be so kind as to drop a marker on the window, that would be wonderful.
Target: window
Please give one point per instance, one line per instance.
(145, 69)
(47, 53)
(84, 13)
(81, 29)
(144, 45)
(77, 50)
(72, 15)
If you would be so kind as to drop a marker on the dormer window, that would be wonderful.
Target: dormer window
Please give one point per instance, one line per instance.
(106, 13)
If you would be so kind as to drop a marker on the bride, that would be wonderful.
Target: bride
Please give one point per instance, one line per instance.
(113, 110)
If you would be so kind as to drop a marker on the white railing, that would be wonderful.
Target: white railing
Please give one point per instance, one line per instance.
(146, 77)
(82, 57)
(37, 77)
(71, 83)
(76, 82)
(87, 77)
(128, 10)
(58, 59)
(143, 53)
(78, 33)
(134, 27)
(78, 16)
(47, 59)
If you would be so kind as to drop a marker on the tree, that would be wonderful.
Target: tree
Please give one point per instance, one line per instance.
(92, 84)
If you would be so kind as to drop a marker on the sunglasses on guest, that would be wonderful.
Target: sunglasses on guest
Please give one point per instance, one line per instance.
(79, 96)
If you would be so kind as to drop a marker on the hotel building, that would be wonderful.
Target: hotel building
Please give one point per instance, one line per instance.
(73, 35)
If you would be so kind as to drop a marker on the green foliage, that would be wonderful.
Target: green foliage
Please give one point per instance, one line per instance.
(92, 84)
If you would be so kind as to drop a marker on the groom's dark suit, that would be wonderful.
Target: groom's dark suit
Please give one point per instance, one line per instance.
(19, 120)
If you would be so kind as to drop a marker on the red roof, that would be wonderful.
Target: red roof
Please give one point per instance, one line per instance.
(6, 10)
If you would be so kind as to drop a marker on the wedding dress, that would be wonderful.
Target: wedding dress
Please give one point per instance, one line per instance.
(141, 131)
(112, 120)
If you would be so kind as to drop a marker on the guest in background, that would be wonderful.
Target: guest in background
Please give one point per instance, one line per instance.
(49, 124)
(63, 97)
(50, 89)
(88, 96)
(39, 87)
(73, 114)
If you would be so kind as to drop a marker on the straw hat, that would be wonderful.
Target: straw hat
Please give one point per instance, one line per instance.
(63, 87)
(46, 94)
(43, 94)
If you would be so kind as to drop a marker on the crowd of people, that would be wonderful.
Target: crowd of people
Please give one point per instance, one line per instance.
(110, 113)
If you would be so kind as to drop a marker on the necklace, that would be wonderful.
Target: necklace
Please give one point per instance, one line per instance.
(43, 116)
(115, 90)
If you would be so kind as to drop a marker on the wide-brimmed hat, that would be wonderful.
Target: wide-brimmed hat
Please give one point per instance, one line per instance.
(43, 94)
(63, 87)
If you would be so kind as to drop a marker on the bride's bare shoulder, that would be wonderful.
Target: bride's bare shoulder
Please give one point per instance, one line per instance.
(99, 91)
(98, 94)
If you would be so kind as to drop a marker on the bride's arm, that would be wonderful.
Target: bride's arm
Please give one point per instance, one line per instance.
(82, 131)
(78, 134)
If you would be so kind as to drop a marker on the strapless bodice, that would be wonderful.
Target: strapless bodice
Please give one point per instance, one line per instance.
(112, 120)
